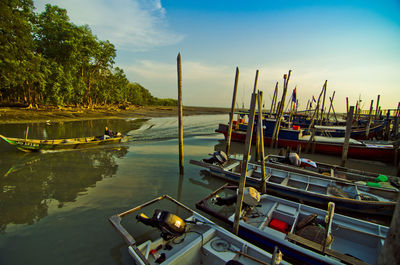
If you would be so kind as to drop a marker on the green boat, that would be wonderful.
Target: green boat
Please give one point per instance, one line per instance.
(34, 145)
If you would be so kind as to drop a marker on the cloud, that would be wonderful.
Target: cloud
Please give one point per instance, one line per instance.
(135, 25)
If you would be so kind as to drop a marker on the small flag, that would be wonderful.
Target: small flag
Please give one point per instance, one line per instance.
(294, 95)
(313, 99)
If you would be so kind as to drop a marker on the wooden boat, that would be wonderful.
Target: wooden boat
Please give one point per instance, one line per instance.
(325, 170)
(325, 145)
(31, 145)
(358, 133)
(195, 240)
(278, 222)
(314, 190)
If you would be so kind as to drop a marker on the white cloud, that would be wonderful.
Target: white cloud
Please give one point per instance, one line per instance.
(137, 25)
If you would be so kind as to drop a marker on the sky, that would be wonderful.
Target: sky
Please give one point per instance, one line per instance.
(354, 45)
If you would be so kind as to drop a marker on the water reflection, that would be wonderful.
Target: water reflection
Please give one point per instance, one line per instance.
(35, 181)
(207, 181)
(71, 129)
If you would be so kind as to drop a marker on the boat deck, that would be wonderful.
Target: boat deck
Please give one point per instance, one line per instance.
(360, 239)
(201, 244)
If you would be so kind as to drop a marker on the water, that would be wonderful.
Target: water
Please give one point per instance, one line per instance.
(54, 206)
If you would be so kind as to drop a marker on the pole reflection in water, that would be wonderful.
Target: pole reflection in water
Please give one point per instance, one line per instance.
(38, 181)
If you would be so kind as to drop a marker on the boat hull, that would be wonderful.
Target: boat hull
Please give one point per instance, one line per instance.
(33, 145)
(358, 151)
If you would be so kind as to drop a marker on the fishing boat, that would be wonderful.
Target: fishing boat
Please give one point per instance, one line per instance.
(32, 145)
(297, 229)
(194, 240)
(351, 197)
(325, 170)
(358, 133)
(324, 145)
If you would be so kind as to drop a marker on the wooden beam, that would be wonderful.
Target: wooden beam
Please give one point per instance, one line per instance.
(228, 146)
(275, 134)
(347, 135)
(273, 103)
(369, 119)
(377, 107)
(180, 113)
(261, 142)
(242, 181)
(323, 103)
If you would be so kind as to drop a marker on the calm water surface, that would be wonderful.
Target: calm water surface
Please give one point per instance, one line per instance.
(54, 206)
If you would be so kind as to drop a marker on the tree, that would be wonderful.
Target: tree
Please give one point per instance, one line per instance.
(15, 47)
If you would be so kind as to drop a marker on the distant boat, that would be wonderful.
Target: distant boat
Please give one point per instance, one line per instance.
(321, 144)
(319, 191)
(301, 232)
(32, 145)
(195, 240)
(359, 133)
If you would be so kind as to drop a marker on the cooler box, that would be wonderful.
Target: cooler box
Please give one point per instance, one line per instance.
(279, 226)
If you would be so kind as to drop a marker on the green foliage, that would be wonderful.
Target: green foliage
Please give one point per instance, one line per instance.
(46, 59)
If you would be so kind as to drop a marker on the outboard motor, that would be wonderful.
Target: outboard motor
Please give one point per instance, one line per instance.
(251, 197)
(294, 159)
(218, 157)
(169, 224)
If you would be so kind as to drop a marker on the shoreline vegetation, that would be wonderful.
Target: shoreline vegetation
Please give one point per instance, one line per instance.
(12, 115)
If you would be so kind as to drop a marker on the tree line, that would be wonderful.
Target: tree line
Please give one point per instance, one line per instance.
(46, 59)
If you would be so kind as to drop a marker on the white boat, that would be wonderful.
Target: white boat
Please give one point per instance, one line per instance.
(298, 229)
(347, 196)
(195, 240)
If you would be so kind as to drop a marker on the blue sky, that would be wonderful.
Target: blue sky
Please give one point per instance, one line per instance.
(355, 45)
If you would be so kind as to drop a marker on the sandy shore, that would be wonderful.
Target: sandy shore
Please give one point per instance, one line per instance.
(21, 115)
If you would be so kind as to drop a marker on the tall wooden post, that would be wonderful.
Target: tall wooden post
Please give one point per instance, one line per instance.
(347, 135)
(228, 146)
(323, 103)
(347, 105)
(377, 107)
(369, 119)
(275, 134)
(331, 104)
(396, 122)
(180, 113)
(261, 142)
(316, 111)
(308, 104)
(273, 103)
(356, 111)
(242, 181)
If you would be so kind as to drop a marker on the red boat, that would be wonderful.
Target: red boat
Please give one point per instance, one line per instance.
(325, 145)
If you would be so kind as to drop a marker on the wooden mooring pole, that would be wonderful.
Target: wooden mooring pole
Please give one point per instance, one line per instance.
(261, 142)
(377, 107)
(323, 103)
(273, 103)
(347, 135)
(369, 119)
(395, 130)
(275, 134)
(228, 145)
(180, 113)
(242, 181)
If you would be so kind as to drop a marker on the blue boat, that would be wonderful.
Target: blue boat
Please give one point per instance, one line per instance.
(348, 196)
(300, 231)
(189, 241)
